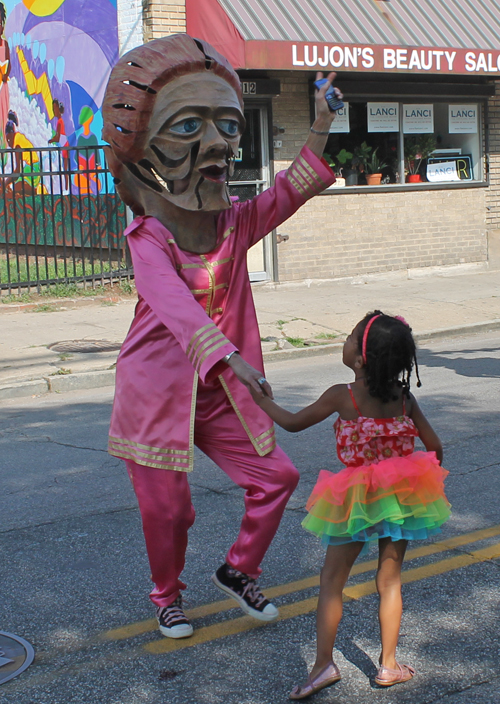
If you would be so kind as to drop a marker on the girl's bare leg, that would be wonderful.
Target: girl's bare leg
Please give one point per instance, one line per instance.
(388, 580)
(339, 560)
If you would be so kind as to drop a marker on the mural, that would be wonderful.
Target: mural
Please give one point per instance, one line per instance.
(55, 60)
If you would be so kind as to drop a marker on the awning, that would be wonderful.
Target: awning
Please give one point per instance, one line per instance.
(402, 36)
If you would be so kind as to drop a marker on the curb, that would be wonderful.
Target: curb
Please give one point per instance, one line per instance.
(104, 378)
(58, 384)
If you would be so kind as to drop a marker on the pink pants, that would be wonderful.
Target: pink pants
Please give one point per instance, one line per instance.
(165, 499)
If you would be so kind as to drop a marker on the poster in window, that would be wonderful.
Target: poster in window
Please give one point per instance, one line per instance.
(462, 119)
(341, 122)
(418, 119)
(457, 168)
(383, 117)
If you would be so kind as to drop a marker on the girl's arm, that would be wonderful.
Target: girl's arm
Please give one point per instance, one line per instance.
(57, 135)
(327, 404)
(7, 58)
(425, 430)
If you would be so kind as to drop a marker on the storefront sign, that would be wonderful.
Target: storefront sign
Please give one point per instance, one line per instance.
(418, 119)
(341, 122)
(377, 58)
(383, 117)
(452, 169)
(462, 119)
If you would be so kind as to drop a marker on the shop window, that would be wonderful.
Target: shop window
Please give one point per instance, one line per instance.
(386, 143)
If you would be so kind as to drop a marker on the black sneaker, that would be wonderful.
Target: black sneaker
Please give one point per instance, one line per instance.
(246, 592)
(172, 621)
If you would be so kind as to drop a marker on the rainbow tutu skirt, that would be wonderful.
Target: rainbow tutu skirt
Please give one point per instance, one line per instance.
(400, 498)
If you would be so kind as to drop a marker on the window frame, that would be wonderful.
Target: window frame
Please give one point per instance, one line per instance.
(405, 93)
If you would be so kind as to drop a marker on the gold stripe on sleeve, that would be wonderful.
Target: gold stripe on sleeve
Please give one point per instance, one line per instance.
(295, 184)
(214, 336)
(313, 187)
(209, 351)
(197, 335)
(300, 179)
(310, 169)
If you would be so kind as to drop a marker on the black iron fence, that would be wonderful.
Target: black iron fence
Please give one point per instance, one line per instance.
(60, 219)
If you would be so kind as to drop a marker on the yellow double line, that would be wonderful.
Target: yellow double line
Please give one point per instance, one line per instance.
(246, 623)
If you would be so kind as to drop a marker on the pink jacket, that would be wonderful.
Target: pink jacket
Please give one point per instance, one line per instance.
(193, 309)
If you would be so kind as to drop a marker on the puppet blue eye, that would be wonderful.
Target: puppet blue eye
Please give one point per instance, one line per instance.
(230, 127)
(188, 126)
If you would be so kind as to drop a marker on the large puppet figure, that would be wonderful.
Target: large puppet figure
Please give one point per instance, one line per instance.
(173, 118)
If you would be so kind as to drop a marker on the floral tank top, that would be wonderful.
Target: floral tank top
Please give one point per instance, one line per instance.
(367, 441)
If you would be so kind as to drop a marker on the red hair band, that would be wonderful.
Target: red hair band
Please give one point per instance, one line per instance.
(365, 335)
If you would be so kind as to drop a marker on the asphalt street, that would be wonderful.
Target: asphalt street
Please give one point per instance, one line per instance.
(74, 578)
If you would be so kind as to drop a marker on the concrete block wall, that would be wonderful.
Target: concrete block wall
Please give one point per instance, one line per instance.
(348, 234)
(163, 17)
(130, 25)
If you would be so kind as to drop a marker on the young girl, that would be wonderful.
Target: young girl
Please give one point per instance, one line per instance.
(386, 492)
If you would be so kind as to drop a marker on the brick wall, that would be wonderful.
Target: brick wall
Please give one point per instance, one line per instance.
(493, 194)
(346, 235)
(163, 17)
(349, 234)
(130, 25)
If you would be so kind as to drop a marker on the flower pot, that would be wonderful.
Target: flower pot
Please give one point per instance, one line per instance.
(373, 179)
(414, 178)
(351, 177)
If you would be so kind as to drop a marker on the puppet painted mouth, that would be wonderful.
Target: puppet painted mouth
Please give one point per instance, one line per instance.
(214, 173)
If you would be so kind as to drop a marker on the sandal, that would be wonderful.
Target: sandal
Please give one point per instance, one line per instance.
(387, 677)
(325, 677)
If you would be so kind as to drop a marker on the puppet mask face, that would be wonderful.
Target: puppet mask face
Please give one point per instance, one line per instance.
(194, 133)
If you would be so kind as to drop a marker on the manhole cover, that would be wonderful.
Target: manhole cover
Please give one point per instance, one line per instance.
(16, 655)
(85, 346)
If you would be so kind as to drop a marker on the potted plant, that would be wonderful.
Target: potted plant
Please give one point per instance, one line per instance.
(362, 155)
(417, 149)
(347, 167)
(353, 162)
(373, 168)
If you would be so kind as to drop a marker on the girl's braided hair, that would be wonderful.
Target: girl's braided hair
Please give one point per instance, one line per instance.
(390, 355)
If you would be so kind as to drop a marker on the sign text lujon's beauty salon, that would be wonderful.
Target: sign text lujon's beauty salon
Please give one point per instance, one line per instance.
(300, 56)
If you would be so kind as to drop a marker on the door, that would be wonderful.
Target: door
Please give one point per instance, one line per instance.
(251, 176)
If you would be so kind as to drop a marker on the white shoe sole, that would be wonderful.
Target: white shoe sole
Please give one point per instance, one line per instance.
(183, 631)
(242, 603)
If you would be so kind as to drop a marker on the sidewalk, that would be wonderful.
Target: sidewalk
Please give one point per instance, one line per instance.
(314, 316)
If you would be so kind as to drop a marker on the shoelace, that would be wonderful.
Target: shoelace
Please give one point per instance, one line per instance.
(251, 589)
(174, 613)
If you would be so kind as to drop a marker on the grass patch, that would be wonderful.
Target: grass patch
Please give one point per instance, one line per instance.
(70, 290)
(327, 336)
(126, 287)
(63, 356)
(45, 308)
(295, 341)
(33, 269)
(61, 372)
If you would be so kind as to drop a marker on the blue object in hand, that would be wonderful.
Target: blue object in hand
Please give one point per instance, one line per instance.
(334, 103)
